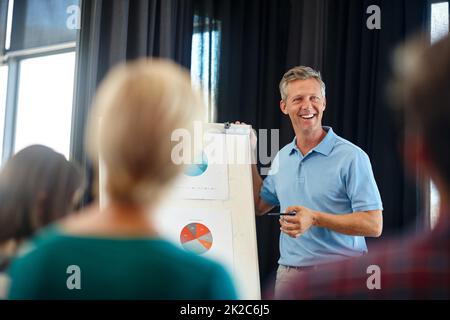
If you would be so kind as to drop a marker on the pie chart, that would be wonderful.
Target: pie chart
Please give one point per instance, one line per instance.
(197, 169)
(196, 238)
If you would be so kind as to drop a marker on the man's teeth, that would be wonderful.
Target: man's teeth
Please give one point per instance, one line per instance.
(307, 116)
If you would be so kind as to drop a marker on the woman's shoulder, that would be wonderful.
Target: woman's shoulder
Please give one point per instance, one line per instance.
(204, 272)
(45, 238)
(189, 260)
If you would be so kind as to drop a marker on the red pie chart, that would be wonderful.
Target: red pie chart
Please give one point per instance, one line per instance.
(196, 237)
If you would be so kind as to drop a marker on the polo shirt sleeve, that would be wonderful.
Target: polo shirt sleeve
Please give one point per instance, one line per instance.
(361, 186)
(268, 190)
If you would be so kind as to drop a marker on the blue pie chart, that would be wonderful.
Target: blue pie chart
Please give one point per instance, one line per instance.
(197, 169)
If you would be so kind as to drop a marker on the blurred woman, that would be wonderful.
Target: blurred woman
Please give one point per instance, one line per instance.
(115, 252)
(37, 187)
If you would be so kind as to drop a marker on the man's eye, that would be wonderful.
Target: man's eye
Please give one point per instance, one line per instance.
(315, 99)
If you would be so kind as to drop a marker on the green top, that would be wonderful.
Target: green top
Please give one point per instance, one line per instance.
(114, 268)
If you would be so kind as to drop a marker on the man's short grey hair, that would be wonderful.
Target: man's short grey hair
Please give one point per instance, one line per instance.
(300, 73)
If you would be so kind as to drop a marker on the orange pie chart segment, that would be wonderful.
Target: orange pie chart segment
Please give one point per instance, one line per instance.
(196, 238)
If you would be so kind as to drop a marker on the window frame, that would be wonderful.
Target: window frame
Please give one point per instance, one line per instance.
(426, 190)
(3, 22)
(13, 59)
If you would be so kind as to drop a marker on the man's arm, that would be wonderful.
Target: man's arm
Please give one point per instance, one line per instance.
(361, 223)
(261, 207)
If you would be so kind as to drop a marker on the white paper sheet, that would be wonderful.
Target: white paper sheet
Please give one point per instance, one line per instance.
(208, 179)
(206, 232)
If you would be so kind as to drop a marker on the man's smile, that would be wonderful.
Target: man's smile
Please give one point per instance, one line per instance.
(308, 116)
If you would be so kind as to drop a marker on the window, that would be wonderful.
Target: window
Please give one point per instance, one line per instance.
(3, 82)
(205, 60)
(439, 21)
(44, 106)
(38, 55)
(438, 29)
(40, 23)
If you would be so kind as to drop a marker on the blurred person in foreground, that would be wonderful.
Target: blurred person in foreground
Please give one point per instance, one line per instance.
(115, 252)
(37, 187)
(414, 267)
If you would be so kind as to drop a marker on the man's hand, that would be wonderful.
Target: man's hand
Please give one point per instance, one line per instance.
(295, 226)
(358, 223)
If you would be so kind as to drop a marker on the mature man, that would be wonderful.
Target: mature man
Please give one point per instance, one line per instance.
(324, 178)
(418, 266)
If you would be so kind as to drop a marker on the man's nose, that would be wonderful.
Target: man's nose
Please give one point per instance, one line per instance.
(306, 106)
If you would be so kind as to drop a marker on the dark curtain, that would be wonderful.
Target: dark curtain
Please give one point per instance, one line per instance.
(117, 31)
(261, 39)
(357, 68)
(253, 56)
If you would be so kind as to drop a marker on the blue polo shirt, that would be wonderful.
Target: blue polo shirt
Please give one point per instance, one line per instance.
(335, 177)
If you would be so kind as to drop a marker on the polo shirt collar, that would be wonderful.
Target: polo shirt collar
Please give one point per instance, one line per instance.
(324, 147)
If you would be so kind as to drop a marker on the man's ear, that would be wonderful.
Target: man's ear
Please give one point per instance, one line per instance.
(324, 104)
(283, 107)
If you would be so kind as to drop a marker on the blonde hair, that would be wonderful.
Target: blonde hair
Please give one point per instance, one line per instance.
(300, 73)
(136, 109)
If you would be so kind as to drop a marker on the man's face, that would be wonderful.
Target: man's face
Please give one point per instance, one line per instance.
(304, 104)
